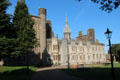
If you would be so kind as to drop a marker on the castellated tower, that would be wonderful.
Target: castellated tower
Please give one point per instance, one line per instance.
(91, 35)
(40, 31)
(49, 31)
(42, 15)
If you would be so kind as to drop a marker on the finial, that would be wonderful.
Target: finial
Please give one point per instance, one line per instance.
(56, 35)
(66, 18)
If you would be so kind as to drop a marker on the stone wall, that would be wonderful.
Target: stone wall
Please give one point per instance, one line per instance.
(40, 29)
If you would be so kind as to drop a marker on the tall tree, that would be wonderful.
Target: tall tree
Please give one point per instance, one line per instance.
(4, 18)
(23, 25)
(107, 5)
(5, 30)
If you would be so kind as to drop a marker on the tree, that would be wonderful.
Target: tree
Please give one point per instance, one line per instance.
(6, 39)
(107, 5)
(23, 25)
(4, 18)
(115, 48)
(118, 55)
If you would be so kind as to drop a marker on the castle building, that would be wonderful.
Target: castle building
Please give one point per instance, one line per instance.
(83, 50)
(43, 31)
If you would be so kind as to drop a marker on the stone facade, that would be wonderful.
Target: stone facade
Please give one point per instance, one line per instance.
(80, 51)
(83, 50)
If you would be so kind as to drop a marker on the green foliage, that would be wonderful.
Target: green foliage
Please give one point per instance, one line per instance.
(6, 31)
(24, 31)
(4, 18)
(107, 5)
(116, 50)
(7, 47)
(17, 37)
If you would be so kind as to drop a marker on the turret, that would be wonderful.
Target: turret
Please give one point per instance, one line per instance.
(42, 11)
(91, 35)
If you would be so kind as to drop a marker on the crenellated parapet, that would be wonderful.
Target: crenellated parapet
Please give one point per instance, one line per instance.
(89, 37)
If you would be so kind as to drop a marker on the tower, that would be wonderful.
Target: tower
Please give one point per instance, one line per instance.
(49, 31)
(42, 32)
(67, 33)
(91, 35)
(80, 36)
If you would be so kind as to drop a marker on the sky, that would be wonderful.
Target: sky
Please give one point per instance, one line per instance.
(81, 16)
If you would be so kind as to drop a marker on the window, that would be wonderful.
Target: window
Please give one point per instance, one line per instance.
(95, 48)
(73, 57)
(93, 56)
(88, 57)
(56, 57)
(48, 47)
(88, 49)
(100, 56)
(76, 57)
(99, 48)
(81, 57)
(97, 56)
(74, 48)
(80, 49)
(59, 58)
(55, 47)
(53, 57)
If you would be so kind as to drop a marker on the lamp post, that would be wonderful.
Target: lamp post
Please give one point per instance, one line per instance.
(108, 34)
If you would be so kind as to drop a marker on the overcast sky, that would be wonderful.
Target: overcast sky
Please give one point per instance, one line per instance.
(81, 16)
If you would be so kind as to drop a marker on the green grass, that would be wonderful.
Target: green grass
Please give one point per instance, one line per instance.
(95, 72)
(116, 65)
(16, 73)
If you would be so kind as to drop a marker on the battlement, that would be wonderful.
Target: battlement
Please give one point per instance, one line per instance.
(42, 11)
(90, 35)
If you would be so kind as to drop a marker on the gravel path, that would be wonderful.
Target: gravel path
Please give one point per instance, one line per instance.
(52, 73)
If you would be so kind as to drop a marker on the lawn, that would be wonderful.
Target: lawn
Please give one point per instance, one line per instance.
(116, 65)
(95, 72)
(16, 73)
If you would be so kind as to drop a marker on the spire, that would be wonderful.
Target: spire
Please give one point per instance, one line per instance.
(67, 29)
(67, 33)
(66, 20)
